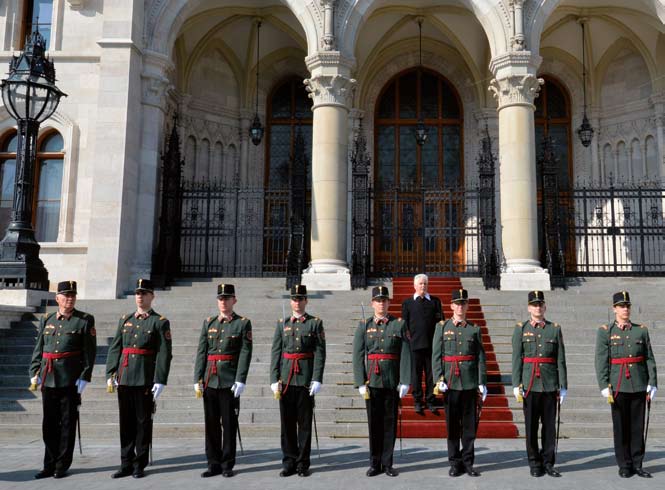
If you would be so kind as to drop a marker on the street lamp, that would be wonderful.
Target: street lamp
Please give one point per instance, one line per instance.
(256, 129)
(30, 96)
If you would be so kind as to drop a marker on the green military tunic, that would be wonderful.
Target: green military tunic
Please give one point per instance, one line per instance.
(451, 340)
(391, 338)
(76, 334)
(530, 341)
(152, 333)
(300, 337)
(222, 337)
(611, 343)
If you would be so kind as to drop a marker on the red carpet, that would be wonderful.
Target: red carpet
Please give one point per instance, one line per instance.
(496, 420)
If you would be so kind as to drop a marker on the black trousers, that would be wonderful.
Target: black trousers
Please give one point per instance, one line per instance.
(461, 416)
(295, 411)
(219, 409)
(540, 408)
(60, 406)
(421, 361)
(136, 408)
(628, 412)
(382, 409)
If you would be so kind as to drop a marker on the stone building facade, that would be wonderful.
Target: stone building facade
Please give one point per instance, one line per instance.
(129, 65)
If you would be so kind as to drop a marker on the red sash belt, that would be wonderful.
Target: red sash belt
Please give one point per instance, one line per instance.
(375, 358)
(125, 357)
(49, 356)
(295, 359)
(536, 368)
(456, 360)
(624, 362)
(212, 367)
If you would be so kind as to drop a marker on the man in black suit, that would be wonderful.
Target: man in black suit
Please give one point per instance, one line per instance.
(421, 314)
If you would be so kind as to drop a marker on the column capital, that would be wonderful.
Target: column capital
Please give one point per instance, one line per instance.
(329, 62)
(515, 90)
(330, 90)
(155, 79)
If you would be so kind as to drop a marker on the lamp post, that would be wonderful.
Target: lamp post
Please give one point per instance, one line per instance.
(30, 96)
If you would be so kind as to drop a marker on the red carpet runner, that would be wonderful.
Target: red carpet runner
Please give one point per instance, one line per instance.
(496, 420)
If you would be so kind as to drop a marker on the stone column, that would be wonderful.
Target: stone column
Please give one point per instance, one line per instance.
(515, 87)
(329, 88)
(658, 101)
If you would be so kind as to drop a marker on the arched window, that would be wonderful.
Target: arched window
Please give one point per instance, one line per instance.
(288, 107)
(399, 159)
(48, 183)
(37, 11)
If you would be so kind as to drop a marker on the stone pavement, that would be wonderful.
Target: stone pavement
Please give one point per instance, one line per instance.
(585, 463)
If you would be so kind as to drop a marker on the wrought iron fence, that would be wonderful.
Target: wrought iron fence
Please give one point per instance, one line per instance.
(233, 230)
(615, 230)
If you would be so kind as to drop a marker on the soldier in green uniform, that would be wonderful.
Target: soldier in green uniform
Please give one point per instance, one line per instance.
(458, 368)
(540, 380)
(220, 373)
(382, 374)
(626, 372)
(138, 363)
(297, 361)
(62, 363)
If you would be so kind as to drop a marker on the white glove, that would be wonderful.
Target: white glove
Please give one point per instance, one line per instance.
(517, 392)
(314, 388)
(443, 387)
(36, 380)
(80, 385)
(157, 389)
(403, 390)
(605, 392)
(362, 390)
(198, 387)
(112, 382)
(651, 390)
(483, 391)
(562, 395)
(275, 387)
(237, 389)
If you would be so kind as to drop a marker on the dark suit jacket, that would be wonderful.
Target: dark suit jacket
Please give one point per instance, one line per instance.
(421, 318)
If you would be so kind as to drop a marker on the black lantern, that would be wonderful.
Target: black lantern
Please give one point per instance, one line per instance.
(256, 129)
(585, 131)
(30, 95)
(421, 129)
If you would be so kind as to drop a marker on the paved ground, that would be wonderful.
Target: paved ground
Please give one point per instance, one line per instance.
(587, 464)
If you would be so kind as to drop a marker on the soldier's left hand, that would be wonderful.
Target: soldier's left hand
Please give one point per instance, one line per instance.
(651, 391)
(237, 389)
(80, 385)
(314, 388)
(157, 389)
(562, 395)
(483, 391)
(403, 390)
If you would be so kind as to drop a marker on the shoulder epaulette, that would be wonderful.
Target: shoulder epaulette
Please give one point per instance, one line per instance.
(642, 325)
(316, 318)
(243, 318)
(124, 317)
(556, 325)
(281, 320)
(519, 325)
(442, 322)
(604, 327)
(162, 318)
(399, 319)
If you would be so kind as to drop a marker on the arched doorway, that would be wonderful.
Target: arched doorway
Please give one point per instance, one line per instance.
(418, 200)
(553, 120)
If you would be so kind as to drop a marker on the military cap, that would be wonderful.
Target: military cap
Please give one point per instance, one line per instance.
(67, 287)
(536, 297)
(298, 291)
(379, 292)
(224, 290)
(459, 295)
(621, 298)
(144, 285)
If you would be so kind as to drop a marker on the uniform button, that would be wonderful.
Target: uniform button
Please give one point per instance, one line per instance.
(381, 350)
(630, 355)
(135, 335)
(540, 345)
(209, 336)
(57, 341)
(297, 329)
(381, 340)
(220, 350)
(538, 335)
(222, 330)
(134, 346)
(56, 351)
(133, 356)
(297, 338)
(540, 355)
(59, 334)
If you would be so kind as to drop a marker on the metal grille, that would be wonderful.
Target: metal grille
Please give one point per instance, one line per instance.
(233, 231)
(617, 231)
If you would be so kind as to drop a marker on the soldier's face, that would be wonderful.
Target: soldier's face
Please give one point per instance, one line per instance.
(143, 299)
(537, 310)
(459, 308)
(380, 306)
(225, 304)
(298, 305)
(420, 286)
(622, 312)
(65, 302)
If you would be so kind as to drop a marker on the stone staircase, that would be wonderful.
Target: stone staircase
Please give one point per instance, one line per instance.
(340, 410)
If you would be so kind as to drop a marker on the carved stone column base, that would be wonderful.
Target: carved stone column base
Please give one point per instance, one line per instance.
(24, 297)
(525, 281)
(327, 275)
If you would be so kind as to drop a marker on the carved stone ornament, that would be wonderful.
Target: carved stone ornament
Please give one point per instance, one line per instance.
(330, 90)
(76, 4)
(516, 90)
